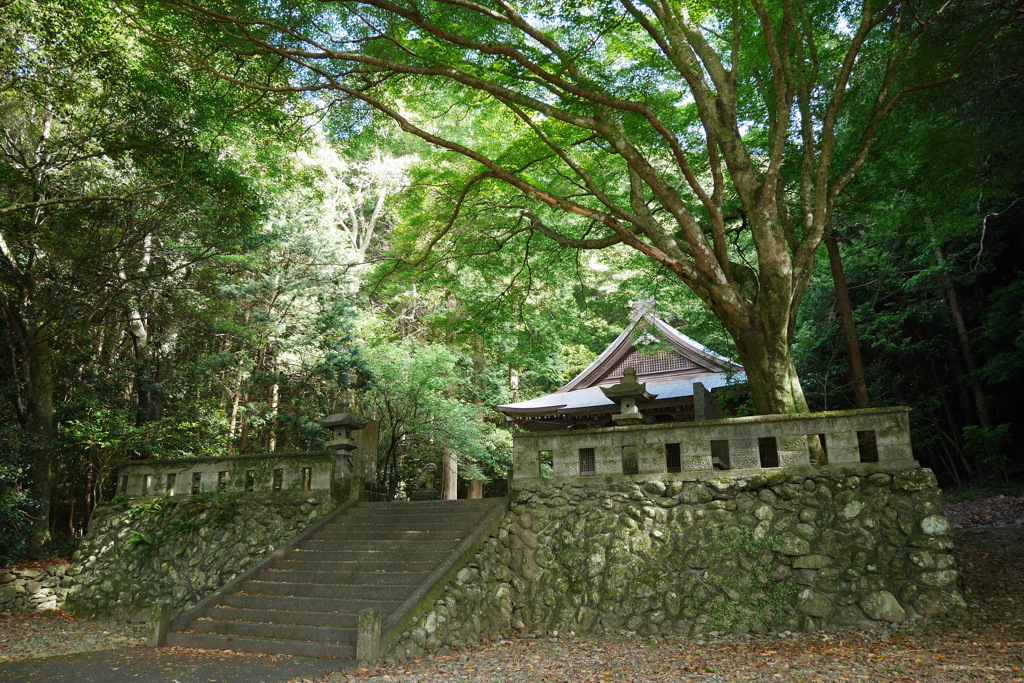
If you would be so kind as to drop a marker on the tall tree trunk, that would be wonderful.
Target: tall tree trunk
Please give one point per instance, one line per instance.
(856, 365)
(143, 356)
(771, 375)
(37, 376)
(274, 401)
(953, 302)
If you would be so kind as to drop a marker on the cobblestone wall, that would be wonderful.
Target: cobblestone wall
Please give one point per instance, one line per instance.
(175, 551)
(32, 590)
(771, 552)
(774, 551)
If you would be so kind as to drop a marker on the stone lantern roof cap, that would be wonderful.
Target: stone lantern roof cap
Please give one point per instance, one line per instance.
(342, 420)
(629, 387)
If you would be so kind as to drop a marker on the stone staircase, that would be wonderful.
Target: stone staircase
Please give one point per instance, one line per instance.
(306, 600)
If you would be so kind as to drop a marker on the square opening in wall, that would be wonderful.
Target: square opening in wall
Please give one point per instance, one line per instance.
(673, 463)
(250, 480)
(588, 462)
(278, 481)
(824, 447)
(147, 484)
(197, 483)
(768, 449)
(630, 461)
(868, 446)
(307, 478)
(222, 480)
(720, 455)
(171, 478)
(122, 485)
(545, 464)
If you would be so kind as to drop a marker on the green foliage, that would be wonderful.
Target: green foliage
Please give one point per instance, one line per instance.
(988, 444)
(935, 235)
(986, 489)
(422, 395)
(763, 601)
(174, 522)
(15, 505)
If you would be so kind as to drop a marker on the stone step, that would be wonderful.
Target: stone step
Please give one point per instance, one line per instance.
(364, 511)
(359, 536)
(423, 505)
(206, 641)
(347, 566)
(342, 578)
(395, 546)
(369, 524)
(349, 605)
(363, 555)
(270, 616)
(326, 590)
(275, 631)
(308, 600)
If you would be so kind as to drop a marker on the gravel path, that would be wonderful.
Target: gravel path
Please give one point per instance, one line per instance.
(984, 644)
(46, 634)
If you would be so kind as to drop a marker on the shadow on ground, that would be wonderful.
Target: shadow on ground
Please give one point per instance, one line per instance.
(168, 665)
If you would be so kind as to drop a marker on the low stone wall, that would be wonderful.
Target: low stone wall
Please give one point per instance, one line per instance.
(175, 551)
(32, 590)
(789, 550)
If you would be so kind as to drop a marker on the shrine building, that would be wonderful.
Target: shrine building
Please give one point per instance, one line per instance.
(677, 379)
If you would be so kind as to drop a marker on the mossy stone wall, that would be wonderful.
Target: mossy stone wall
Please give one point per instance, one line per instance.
(175, 551)
(805, 550)
(820, 548)
(476, 605)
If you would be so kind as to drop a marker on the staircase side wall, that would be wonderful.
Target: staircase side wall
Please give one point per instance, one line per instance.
(475, 605)
(176, 551)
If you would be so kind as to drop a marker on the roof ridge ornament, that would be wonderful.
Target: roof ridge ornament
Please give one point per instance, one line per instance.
(642, 307)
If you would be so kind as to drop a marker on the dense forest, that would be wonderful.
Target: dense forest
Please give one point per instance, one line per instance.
(223, 220)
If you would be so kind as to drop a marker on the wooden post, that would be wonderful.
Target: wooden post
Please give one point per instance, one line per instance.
(450, 477)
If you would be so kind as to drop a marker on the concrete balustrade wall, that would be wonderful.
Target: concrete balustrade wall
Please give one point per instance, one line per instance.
(874, 435)
(274, 472)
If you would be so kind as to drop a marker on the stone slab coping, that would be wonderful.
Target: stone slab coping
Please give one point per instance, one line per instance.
(178, 462)
(726, 421)
(603, 480)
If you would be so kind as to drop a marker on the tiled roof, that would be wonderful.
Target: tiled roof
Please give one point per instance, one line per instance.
(669, 380)
(592, 397)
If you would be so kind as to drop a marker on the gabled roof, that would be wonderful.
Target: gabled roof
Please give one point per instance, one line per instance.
(670, 363)
(683, 357)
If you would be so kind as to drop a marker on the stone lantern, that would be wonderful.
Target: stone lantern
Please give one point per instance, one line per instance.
(341, 426)
(628, 393)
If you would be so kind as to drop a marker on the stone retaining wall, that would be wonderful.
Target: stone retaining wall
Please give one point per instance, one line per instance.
(33, 590)
(175, 551)
(772, 551)
(795, 550)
